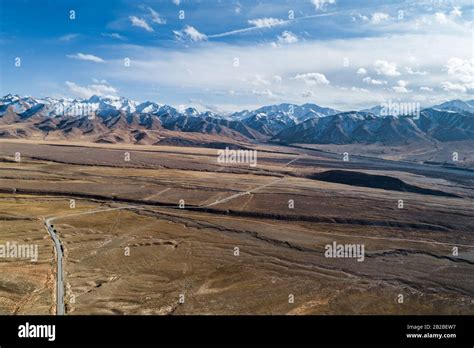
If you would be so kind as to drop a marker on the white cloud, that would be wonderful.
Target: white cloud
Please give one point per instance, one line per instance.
(379, 17)
(114, 36)
(454, 87)
(155, 17)
(463, 69)
(307, 94)
(357, 89)
(287, 37)
(100, 81)
(191, 33)
(212, 65)
(313, 78)
(141, 23)
(410, 71)
(89, 57)
(68, 37)
(277, 79)
(372, 81)
(382, 67)
(426, 89)
(263, 93)
(456, 12)
(361, 71)
(401, 87)
(90, 90)
(257, 24)
(441, 18)
(266, 22)
(448, 19)
(259, 80)
(321, 4)
(359, 17)
(177, 2)
(238, 8)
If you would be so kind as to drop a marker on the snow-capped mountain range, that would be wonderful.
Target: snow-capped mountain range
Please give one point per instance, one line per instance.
(85, 107)
(107, 105)
(362, 127)
(116, 119)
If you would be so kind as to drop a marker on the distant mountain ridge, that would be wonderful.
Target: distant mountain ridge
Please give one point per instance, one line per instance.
(456, 105)
(118, 119)
(363, 127)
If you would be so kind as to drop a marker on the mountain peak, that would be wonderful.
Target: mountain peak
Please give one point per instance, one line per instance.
(456, 104)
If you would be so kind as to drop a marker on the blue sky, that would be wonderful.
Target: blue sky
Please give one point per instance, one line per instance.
(233, 54)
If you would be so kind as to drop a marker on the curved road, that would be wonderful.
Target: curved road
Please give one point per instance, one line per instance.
(60, 254)
(59, 276)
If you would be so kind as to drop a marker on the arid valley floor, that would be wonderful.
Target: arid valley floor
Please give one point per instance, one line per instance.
(129, 248)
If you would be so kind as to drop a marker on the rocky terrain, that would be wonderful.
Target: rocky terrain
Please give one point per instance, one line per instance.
(119, 120)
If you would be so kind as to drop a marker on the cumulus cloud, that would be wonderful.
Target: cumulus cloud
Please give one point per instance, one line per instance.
(89, 57)
(287, 37)
(372, 81)
(190, 33)
(361, 71)
(312, 78)
(266, 22)
(463, 69)
(141, 23)
(462, 73)
(454, 87)
(359, 17)
(410, 71)
(213, 68)
(382, 67)
(448, 18)
(155, 17)
(401, 87)
(321, 4)
(379, 17)
(90, 90)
